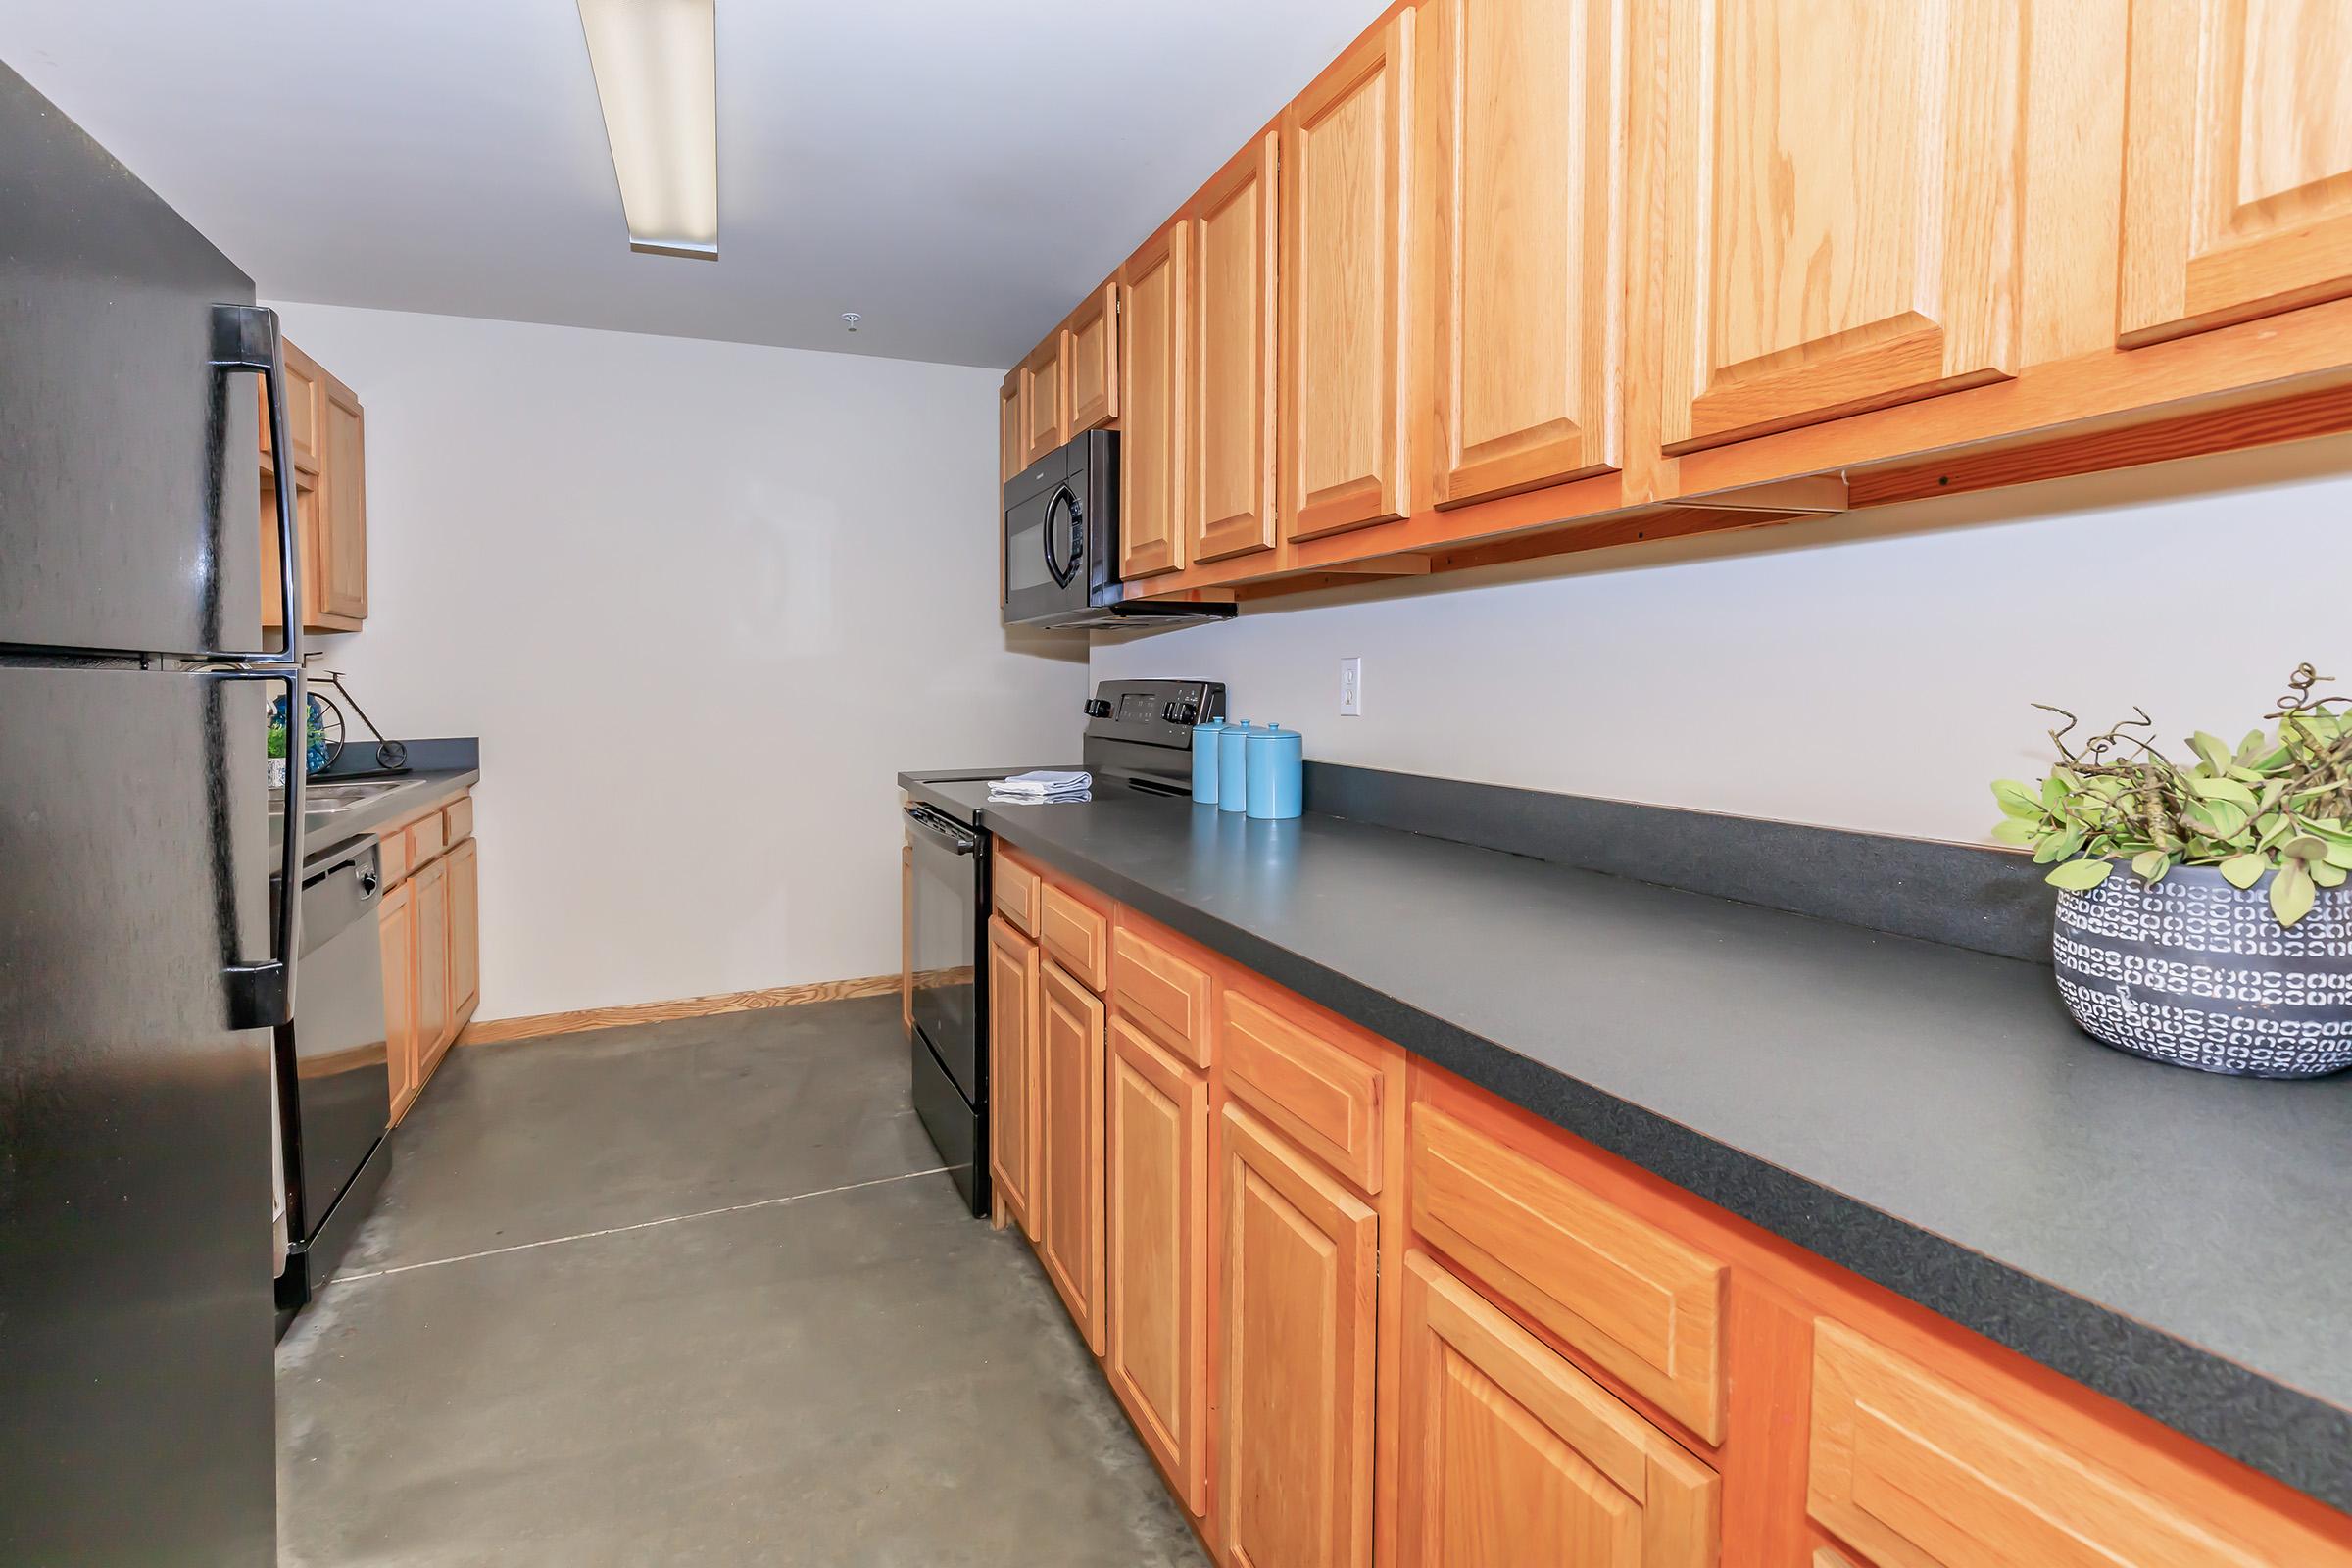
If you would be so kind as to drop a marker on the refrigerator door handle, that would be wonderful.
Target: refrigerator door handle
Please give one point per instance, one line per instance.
(246, 337)
(260, 996)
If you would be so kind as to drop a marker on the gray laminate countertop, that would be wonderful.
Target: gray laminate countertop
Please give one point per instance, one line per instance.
(1924, 1114)
(322, 829)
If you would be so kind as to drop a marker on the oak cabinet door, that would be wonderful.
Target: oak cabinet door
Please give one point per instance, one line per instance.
(1046, 397)
(464, 929)
(1343, 235)
(1840, 209)
(1069, 1169)
(1152, 440)
(2237, 163)
(1012, 436)
(1525, 155)
(343, 506)
(434, 1017)
(1012, 1013)
(396, 935)
(1157, 1278)
(1296, 1341)
(1094, 349)
(1231, 498)
(1511, 1455)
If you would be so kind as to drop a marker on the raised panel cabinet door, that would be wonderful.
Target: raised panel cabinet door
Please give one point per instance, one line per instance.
(304, 385)
(1151, 431)
(1046, 397)
(1012, 436)
(307, 522)
(1230, 500)
(1093, 348)
(1511, 1456)
(343, 506)
(1525, 153)
(1069, 1145)
(396, 936)
(1294, 1339)
(1343, 237)
(1156, 1284)
(1840, 209)
(465, 928)
(433, 1015)
(1012, 1071)
(2237, 163)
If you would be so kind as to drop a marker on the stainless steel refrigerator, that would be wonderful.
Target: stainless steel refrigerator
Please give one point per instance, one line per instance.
(141, 962)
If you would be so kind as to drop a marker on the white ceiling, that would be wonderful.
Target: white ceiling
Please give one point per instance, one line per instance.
(958, 170)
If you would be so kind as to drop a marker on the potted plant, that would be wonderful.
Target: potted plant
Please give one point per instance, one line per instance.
(2203, 916)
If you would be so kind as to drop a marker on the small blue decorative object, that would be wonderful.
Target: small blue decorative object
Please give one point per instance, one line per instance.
(1276, 767)
(1233, 786)
(1204, 761)
(313, 755)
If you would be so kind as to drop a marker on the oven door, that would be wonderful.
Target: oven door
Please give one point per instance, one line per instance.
(948, 871)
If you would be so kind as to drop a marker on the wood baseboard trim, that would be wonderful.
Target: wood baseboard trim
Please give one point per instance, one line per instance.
(496, 1031)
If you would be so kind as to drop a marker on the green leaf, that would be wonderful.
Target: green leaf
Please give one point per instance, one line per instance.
(2219, 819)
(2254, 745)
(2305, 847)
(2015, 799)
(2149, 866)
(2329, 876)
(2292, 892)
(2242, 871)
(2339, 855)
(2210, 750)
(2080, 876)
(2059, 847)
(2222, 789)
(2053, 792)
(2015, 830)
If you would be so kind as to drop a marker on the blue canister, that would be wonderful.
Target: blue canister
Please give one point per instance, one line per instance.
(1233, 766)
(1276, 762)
(1204, 761)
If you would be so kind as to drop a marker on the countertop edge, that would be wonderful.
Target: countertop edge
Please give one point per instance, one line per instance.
(2203, 1394)
(393, 807)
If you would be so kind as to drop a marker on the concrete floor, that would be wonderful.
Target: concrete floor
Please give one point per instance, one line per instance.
(695, 1293)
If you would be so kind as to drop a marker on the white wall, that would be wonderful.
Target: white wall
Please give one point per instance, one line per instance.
(699, 600)
(1870, 671)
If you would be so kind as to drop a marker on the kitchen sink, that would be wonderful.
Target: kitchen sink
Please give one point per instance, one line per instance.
(323, 799)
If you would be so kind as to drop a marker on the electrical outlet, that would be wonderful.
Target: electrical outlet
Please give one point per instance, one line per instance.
(1351, 687)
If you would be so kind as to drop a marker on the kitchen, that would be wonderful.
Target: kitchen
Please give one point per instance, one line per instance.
(1509, 1029)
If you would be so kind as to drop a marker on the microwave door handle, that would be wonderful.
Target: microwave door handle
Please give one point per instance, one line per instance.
(1060, 573)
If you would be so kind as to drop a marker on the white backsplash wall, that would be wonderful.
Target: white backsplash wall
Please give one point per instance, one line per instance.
(700, 600)
(1871, 671)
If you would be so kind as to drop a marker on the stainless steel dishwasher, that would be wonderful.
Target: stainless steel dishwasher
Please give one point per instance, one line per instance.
(334, 1091)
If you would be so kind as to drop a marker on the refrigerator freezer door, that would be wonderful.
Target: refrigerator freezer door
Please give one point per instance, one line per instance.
(130, 473)
(135, 1377)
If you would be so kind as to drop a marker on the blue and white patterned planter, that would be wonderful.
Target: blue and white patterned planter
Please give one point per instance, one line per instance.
(2196, 972)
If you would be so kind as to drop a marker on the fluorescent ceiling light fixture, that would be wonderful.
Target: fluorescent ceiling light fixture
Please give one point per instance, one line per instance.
(657, 73)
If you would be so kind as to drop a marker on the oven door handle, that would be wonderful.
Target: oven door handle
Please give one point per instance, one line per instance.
(958, 841)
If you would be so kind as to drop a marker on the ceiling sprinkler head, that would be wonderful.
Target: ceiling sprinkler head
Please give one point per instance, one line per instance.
(851, 319)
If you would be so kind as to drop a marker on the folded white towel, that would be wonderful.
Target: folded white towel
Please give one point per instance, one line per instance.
(1043, 786)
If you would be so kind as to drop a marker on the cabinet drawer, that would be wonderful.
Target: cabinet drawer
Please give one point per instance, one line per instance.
(1013, 890)
(1164, 993)
(1644, 1305)
(392, 857)
(1074, 935)
(1326, 1097)
(428, 836)
(1918, 1474)
(457, 820)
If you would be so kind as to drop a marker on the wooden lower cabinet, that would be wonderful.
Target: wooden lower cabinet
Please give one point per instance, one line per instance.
(465, 933)
(1013, 1062)
(1295, 1336)
(1156, 1279)
(1511, 1456)
(435, 1017)
(1364, 1314)
(396, 929)
(1069, 1144)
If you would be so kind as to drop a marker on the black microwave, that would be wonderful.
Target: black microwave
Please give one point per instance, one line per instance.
(1061, 545)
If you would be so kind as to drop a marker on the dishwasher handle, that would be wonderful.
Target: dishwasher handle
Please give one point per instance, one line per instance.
(945, 828)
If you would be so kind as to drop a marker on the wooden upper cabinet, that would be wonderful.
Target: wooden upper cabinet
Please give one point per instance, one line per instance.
(1842, 192)
(1012, 1064)
(1295, 1335)
(1345, 363)
(343, 506)
(1157, 1280)
(1920, 1474)
(326, 428)
(1069, 1195)
(1512, 1455)
(1152, 440)
(1522, 149)
(1231, 497)
(1012, 435)
(2237, 177)
(1046, 397)
(1093, 350)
